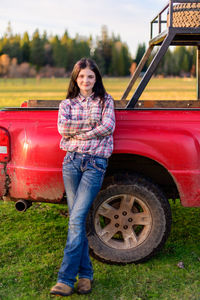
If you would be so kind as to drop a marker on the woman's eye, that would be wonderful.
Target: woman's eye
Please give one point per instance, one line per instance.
(89, 77)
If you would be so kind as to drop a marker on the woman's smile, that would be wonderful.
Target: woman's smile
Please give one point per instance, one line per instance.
(86, 80)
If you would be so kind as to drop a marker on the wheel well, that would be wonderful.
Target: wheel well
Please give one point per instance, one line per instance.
(148, 168)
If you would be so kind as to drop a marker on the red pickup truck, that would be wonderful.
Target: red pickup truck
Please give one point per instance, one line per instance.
(156, 157)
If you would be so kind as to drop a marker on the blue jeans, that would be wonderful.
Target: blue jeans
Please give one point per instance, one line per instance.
(83, 176)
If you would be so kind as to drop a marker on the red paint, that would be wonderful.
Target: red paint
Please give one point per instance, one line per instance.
(169, 137)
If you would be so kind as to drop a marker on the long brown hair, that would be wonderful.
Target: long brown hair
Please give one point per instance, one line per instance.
(98, 89)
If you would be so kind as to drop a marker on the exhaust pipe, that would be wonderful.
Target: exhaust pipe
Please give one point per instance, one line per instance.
(22, 205)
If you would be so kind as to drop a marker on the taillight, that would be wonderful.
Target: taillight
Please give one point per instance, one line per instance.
(4, 145)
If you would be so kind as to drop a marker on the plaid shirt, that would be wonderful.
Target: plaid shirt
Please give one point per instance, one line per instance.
(86, 127)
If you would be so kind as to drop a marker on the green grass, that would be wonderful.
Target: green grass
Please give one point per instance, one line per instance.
(31, 250)
(14, 91)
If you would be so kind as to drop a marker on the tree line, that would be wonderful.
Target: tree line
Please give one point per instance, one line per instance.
(25, 56)
(178, 61)
(22, 54)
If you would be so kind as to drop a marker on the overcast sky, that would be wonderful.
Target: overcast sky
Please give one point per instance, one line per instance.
(128, 18)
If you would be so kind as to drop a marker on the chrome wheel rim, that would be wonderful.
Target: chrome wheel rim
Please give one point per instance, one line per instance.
(123, 221)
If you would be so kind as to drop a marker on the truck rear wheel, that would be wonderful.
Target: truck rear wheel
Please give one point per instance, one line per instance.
(129, 221)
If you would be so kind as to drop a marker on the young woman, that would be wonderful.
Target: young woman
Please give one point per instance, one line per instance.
(86, 122)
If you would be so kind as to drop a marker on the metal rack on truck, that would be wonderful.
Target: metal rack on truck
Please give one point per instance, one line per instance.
(182, 19)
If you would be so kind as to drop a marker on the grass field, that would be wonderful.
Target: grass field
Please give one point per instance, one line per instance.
(31, 249)
(32, 243)
(14, 91)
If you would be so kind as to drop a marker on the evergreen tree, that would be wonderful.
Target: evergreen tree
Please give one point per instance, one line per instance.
(15, 48)
(159, 69)
(98, 57)
(121, 67)
(59, 53)
(112, 55)
(25, 47)
(70, 47)
(168, 64)
(103, 51)
(185, 63)
(48, 54)
(81, 47)
(44, 37)
(120, 62)
(37, 50)
(141, 49)
(140, 52)
(126, 60)
(179, 53)
(65, 41)
(114, 61)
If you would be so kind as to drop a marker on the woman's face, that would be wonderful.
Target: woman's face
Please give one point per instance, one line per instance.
(85, 81)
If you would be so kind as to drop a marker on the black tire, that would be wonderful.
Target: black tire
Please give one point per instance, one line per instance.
(129, 221)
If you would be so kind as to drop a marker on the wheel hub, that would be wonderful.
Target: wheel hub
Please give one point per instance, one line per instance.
(123, 221)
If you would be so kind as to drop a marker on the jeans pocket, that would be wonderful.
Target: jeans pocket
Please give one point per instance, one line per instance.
(68, 158)
(100, 163)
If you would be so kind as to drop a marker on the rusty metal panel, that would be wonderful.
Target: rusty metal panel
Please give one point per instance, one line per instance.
(43, 103)
(160, 104)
